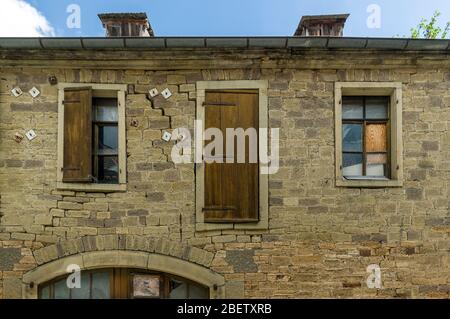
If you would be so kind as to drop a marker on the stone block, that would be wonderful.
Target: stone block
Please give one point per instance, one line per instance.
(70, 205)
(12, 288)
(242, 260)
(9, 257)
(234, 290)
(43, 219)
(414, 193)
(176, 79)
(187, 88)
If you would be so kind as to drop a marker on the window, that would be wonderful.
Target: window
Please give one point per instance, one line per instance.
(368, 134)
(91, 137)
(124, 283)
(106, 141)
(231, 194)
(365, 137)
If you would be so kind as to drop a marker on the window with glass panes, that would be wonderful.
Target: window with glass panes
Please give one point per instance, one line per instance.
(365, 137)
(123, 283)
(105, 135)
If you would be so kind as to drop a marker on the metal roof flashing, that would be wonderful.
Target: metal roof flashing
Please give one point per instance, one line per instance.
(93, 43)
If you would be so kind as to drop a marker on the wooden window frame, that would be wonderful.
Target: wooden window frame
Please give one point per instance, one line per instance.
(100, 91)
(263, 221)
(393, 90)
(364, 122)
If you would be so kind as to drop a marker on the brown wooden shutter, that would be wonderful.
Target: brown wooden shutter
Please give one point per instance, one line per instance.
(231, 189)
(77, 165)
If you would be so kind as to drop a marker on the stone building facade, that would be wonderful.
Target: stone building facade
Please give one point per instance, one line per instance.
(319, 238)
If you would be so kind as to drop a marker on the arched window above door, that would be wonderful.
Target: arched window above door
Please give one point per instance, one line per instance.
(123, 283)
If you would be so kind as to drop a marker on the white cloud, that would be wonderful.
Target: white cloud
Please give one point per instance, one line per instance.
(19, 19)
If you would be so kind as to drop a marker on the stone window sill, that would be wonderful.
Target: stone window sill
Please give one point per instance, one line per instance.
(106, 188)
(261, 225)
(368, 183)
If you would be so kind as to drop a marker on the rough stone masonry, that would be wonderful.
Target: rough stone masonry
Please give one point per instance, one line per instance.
(320, 239)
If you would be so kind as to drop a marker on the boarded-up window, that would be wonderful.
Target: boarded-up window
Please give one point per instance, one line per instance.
(365, 137)
(77, 163)
(232, 189)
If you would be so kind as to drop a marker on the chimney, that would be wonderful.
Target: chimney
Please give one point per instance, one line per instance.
(126, 25)
(322, 25)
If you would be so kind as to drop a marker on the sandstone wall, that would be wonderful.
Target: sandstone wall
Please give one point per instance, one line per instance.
(320, 238)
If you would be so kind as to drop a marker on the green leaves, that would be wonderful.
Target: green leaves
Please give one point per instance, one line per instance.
(430, 30)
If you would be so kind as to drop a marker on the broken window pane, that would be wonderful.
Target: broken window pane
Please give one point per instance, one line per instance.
(352, 108)
(178, 289)
(353, 164)
(352, 138)
(376, 165)
(376, 108)
(108, 169)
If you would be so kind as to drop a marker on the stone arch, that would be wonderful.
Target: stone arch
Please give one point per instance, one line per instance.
(95, 252)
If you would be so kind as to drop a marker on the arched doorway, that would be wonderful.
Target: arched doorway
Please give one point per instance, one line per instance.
(116, 273)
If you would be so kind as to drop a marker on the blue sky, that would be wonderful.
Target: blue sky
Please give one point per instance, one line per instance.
(242, 17)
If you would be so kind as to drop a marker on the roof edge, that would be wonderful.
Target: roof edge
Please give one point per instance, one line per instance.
(343, 16)
(275, 42)
(122, 15)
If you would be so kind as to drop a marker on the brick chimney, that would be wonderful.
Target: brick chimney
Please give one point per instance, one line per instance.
(126, 25)
(322, 25)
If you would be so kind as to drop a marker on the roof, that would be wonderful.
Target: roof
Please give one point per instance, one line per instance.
(130, 43)
(329, 17)
(130, 16)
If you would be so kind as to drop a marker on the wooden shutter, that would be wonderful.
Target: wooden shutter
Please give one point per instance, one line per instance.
(231, 189)
(77, 164)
